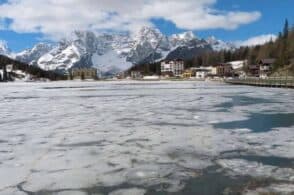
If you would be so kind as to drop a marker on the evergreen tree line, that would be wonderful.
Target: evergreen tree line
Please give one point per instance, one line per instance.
(33, 70)
(282, 49)
(146, 69)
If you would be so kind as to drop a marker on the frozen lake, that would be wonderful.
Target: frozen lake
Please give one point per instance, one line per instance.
(132, 138)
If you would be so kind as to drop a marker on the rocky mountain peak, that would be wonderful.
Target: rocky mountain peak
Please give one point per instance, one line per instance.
(188, 36)
(149, 34)
(111, 52)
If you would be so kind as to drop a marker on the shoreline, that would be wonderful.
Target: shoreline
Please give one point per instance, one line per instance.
(270, 82)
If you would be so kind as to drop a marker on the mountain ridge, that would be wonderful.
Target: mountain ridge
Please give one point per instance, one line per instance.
(112, 53)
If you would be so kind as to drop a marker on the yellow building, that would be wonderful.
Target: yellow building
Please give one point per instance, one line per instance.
(83, 73)
(188, 73)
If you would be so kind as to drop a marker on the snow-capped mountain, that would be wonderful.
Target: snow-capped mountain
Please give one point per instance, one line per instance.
(4, 49)
(32, 55)
(112, 53)
(149, 45)
(182, 39)
(218, 45)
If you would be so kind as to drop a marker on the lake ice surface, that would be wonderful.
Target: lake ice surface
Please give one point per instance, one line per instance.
(130, 137)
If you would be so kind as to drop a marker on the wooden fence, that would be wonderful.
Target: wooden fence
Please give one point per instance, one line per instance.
(280, 82)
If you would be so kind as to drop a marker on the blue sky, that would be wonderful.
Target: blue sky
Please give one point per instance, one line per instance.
(274, 13)
(22, 27)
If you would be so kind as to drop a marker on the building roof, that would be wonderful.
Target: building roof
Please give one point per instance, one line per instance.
(267, 61)
(84, 69)
(221, 64)
(170, 60)
(253, 66)
(203, 70)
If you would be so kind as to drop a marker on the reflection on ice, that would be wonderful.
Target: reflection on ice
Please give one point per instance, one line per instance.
(137, 137)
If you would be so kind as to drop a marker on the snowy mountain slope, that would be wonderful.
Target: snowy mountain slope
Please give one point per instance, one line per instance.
(218, 45)
(112, 53)
(4, 49)
(32, 55)
(109, 61)
(59, 58)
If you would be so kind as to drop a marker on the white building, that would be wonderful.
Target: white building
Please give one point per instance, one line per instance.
(172, 67)
(203, 72)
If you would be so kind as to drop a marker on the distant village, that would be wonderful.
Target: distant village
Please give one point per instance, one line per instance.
(235, 69)
(174, 69)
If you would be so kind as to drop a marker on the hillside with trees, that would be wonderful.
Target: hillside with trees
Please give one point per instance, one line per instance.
(32, 70)
(282, 49)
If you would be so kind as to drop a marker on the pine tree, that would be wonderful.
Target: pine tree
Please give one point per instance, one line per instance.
(284, 52)
(286, 29)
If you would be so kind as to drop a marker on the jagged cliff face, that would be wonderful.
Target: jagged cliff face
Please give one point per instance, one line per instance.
(32, 55)
(112, 53)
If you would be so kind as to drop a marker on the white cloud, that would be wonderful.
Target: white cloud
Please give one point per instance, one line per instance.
(58, 17)
(258, 40)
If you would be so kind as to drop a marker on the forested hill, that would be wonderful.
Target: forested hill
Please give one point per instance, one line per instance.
(27, 69)
(281, 49)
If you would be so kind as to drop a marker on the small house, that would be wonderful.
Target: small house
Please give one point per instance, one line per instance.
(266, 67)
(253, 70)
